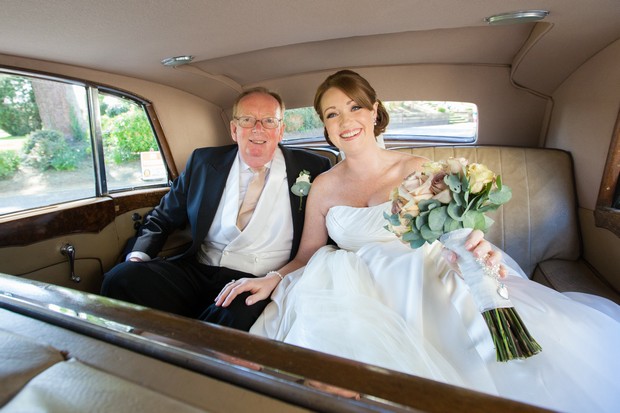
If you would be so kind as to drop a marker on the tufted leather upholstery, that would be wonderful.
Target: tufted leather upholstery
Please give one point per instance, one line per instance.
(540, 221)
(539, 227)
(47, 368)
(22, 359)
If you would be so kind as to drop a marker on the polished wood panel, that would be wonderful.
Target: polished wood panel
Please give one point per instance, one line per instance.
(74, 217)
(266, 366)
(605, 216)
(130, 201)
(87, 216)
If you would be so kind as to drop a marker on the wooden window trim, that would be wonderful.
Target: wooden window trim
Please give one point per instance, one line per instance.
(604, 215)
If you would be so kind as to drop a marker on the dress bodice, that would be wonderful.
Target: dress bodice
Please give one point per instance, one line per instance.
(353, 227)
(412, 313)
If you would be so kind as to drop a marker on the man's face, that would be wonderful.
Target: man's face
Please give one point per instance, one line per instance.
(257, 144)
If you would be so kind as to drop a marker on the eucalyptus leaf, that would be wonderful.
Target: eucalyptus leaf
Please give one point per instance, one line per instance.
(477, 201)
(451, 225)
(421, 220)
(411, 236)
(488, 207)
(453, 182)
(429, 235)
(437, 217)
(498, 182)
(473, 219)
(500, 196)
(428, 204)
(487, 222)
(458, 198)
(301, 188)
(464, 183)
(455, 211)
(393, 219)
(417, 243)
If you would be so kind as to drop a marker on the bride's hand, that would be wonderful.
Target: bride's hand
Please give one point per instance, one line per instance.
(481, 248)
(260, 288)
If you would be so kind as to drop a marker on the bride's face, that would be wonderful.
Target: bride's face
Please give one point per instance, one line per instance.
(347, 122)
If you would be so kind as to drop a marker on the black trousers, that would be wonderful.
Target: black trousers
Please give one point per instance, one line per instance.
(184, 287)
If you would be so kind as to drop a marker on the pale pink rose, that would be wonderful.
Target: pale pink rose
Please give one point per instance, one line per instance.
(445, 196)
(411, 208)
(413, 181)
(456, 165)
(397, 202)
(479, 175)
(432, 167)
(423, 190)
(437, 182)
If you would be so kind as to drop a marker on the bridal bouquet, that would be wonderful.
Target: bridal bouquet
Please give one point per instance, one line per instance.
(446, 201)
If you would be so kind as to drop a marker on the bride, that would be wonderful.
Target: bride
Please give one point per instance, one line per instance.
(375, 300)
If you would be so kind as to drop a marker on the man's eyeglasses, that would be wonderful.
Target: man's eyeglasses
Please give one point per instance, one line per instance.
(250, 121)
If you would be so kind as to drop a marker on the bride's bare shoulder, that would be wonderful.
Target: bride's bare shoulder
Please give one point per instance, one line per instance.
(411, 163)
(326, 180)
(329, 177)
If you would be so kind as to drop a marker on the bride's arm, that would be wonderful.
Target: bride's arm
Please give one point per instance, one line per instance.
(313, 237)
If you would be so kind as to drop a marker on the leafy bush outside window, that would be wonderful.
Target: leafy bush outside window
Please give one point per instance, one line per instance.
(9, 163)
(49, 149)
(126, 131)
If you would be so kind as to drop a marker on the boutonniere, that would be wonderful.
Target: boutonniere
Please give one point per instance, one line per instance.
(302, 185)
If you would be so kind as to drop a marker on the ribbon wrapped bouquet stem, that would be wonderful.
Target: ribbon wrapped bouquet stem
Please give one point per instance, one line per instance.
(511, 337)
(445, 202)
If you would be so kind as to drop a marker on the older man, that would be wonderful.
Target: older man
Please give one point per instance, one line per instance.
(243, 217)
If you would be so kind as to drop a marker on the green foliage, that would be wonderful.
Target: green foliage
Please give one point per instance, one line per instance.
(49, 149)
(78, 132)
(301, 119)
(127, 134)
(9, 164)
(19, 113)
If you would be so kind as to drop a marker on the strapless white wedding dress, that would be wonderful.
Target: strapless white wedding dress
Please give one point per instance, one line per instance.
(375, 300)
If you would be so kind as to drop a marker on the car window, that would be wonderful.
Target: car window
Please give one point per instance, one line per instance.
(62, 141)
(410, 121)
(131, 153)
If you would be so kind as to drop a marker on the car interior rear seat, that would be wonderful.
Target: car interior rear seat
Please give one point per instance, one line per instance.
(539, 226)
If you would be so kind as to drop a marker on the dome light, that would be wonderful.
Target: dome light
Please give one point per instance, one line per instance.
(177, 61)
(523, 16)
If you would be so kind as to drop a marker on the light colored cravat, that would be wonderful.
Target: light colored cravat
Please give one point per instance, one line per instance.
(255, 187)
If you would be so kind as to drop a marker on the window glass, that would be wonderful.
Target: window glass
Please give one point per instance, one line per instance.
(302, 124)
(48, 151)
(131, 153)
(45, 150)
(410, 121)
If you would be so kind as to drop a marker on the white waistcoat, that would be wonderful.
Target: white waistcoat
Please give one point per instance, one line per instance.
(265, 243)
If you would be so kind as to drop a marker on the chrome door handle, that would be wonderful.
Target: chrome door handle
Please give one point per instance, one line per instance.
(69, 251)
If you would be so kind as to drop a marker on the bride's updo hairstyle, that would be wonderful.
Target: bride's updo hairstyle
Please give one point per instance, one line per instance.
(357, 88)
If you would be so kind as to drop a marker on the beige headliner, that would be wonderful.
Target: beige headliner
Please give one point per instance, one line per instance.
(251, 42)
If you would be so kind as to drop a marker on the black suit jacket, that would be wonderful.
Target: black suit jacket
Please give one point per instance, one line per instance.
(195, 195)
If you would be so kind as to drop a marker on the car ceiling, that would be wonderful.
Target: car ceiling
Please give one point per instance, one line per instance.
(237, 44)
